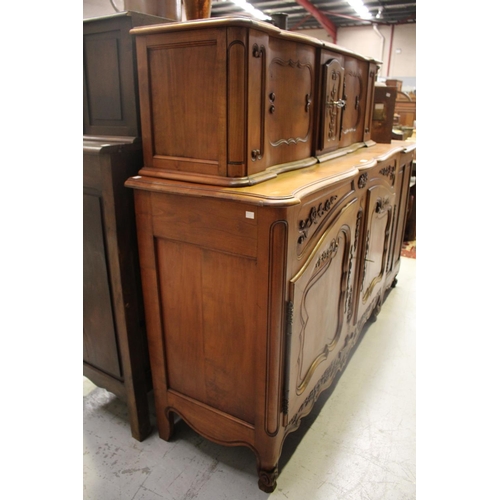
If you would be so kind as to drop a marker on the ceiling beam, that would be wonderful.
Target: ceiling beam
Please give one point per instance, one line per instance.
(322, 18)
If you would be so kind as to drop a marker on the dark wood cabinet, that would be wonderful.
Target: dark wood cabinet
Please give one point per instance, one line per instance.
(115, 354)
(110, 94)
(383, 113)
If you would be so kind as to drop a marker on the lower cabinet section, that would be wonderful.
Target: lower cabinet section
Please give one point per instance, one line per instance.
(255, 297)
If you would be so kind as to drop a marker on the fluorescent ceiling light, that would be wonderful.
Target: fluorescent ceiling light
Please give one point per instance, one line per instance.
(360, 8)
(243, 4)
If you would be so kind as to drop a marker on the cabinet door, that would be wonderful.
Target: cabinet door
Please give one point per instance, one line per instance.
(370, 96)
(281, 101)
(332, 104)
(355, 85)
(401, 181)
(320, 309)
(379, 213)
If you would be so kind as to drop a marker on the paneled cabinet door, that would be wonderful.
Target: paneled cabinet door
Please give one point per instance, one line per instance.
(379, 215)
(355, 89)
(281, 101)
(332, 104)
(401, 182)
(320, 309)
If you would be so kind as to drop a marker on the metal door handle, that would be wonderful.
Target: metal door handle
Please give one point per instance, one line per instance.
(340, 103)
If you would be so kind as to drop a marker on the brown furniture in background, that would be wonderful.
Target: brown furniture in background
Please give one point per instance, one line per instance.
(115, 352)
(270, 226)
(114, 338)
(406, 104)
(383, 114)
(110, 97)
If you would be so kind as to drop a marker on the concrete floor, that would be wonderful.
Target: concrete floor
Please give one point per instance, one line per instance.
(358, 443)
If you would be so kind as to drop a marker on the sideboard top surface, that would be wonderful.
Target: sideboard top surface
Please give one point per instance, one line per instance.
(244, 22)
(287, 188)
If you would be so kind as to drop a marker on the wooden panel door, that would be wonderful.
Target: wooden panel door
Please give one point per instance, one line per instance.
(355, 85)
(320, 309)
(281, 114)
(379, 214)
(332, 104)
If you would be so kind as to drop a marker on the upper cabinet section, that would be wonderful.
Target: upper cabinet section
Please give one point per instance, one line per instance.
(235, 101)
(110, 94)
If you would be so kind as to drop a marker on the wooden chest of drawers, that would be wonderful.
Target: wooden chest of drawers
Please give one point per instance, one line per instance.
(256, 296)
(235, 102)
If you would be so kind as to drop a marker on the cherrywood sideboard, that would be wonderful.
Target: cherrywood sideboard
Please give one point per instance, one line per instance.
(255, 296)
(269, 224)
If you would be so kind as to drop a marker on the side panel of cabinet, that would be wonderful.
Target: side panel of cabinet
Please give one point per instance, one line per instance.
(183, 75)
(100, 348)
(205, 261)
(109, 97)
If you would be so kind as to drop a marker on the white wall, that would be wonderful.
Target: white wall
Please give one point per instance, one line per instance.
(98, 8)
(398, 63)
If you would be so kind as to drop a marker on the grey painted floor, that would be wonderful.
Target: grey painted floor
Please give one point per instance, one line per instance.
(358, 443)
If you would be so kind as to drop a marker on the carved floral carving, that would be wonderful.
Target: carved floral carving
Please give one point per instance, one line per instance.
(363, 179)
(389, 171)
(349, 298)
(383, 204)
(327, 254)
(314, 215)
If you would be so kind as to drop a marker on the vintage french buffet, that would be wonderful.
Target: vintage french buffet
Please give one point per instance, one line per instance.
(269, 224)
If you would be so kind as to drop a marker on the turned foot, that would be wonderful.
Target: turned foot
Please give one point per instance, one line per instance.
(394, 283)
(267, 479)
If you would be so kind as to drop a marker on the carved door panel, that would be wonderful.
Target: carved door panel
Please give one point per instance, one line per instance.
(289, 106)
(402, 188)
(320, 308)
(332, 104)
(355, 83)
(379, 212)
(370, 97)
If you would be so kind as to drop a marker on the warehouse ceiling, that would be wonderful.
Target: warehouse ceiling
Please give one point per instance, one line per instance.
(314, 14)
